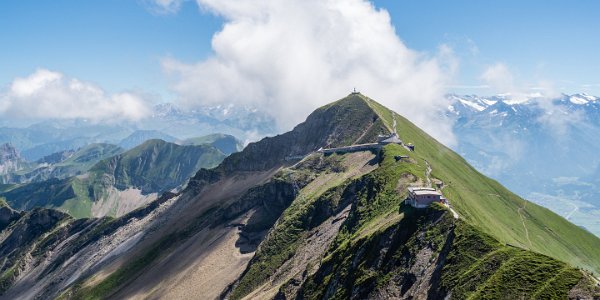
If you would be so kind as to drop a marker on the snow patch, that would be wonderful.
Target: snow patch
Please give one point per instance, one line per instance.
(473, 105)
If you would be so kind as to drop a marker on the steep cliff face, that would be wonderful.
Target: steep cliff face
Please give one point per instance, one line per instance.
(7, 214)
(430, 255)
(348, 121)
(383, 249)
(18, 240)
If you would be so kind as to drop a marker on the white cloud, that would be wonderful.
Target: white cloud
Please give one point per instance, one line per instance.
(499, 78)
(163, 6)
(557, 117)
(289, 57)
(468, 86)
(47, 94)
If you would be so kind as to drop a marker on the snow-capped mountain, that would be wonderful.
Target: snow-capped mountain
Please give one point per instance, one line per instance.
(472, 104)
(539, 147)
(229, 119)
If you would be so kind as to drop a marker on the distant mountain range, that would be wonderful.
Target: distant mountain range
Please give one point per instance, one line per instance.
(546, 150)
(167, 122)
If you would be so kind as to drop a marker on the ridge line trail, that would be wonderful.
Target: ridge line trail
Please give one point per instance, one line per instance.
(520, 210)
(363, 134)
(428, 173)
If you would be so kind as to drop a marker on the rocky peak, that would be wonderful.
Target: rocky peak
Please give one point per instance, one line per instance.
(7, 215)
(348, 121)
(9, 153)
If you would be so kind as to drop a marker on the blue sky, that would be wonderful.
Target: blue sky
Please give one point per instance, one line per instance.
(113, 43)
(120, 45)
(557, 41)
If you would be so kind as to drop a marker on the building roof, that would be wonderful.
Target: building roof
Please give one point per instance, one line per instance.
(422, 193)
(420, 188)
(419, 191)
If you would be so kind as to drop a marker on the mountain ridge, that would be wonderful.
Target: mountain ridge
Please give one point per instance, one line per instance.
(264, 225)
(119, 183)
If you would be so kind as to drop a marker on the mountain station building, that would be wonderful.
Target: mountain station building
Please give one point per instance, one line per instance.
(421, 197)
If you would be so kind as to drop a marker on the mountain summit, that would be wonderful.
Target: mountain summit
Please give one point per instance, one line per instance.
(283, 220)
(348, 121)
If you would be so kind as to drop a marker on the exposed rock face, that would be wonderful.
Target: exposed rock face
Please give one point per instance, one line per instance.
(56, 157)
(10, 160)
(16, 242)
(29, 227)
(8, 153)
(400, 262)
(328, 126)
(7, 215)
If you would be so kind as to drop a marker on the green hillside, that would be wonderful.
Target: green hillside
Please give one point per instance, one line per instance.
(62, 165)
(496, 227)
(153, 167)
(226, 143)
(485, 203)
(86, 157)
(157, 166)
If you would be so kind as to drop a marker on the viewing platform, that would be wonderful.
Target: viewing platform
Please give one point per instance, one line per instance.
(382, 140)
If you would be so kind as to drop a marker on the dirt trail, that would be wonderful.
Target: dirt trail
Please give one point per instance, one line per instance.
(428, 178)
(520, 211)
(363, 134)
(454, 214)
(428, 174)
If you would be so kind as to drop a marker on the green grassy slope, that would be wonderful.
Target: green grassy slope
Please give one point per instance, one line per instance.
(156, 165)
(226, 143)
(481, 202)
(485, 203)
(84, 158)
(71, 195)
(78, 163)
(152, 167)
(475, 264)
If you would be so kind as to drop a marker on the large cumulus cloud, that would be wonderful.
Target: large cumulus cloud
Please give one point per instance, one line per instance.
(288, 57)
(46, 94)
